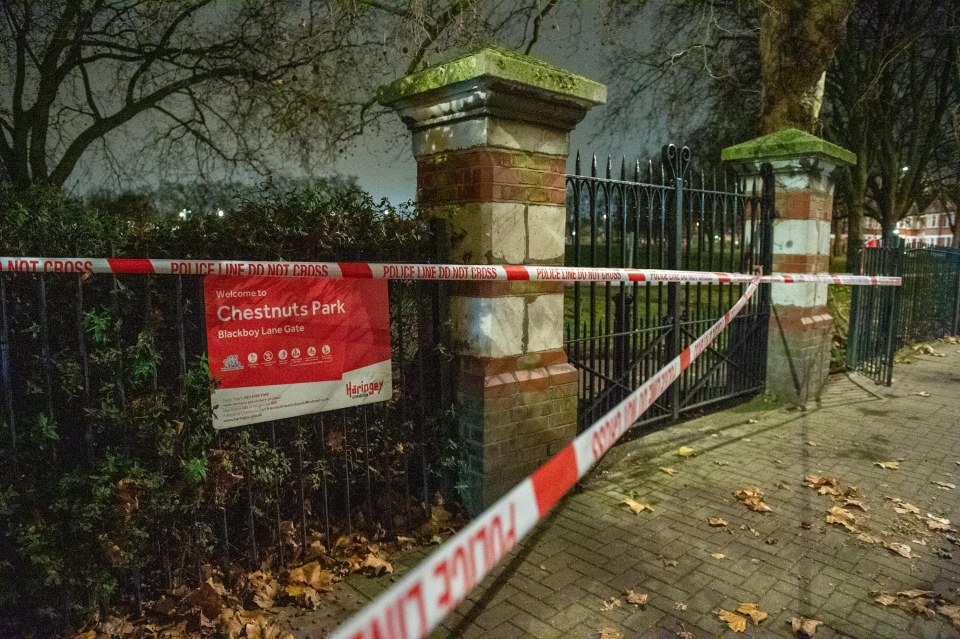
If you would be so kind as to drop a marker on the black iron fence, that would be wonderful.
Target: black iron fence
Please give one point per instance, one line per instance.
(930, 307)
(661, 216)
(884, 319)
(113, 483)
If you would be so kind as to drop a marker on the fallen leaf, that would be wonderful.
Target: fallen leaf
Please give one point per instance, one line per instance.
(869, 539)
(378, 565)
(753, 611)
(906, 508)
(945, 485)
(720, 462)
(636, 506)
(804, 628)
(686, 451)
(855, 503)
(915, 601)
(718, 555)
(952, 613)
(683, 634)
(922, 393)
(888, 465)
(613, 602)
(717, 521)
(936, 525)
(813, 444)
(637, 599)
(943, 553)
(733, 620)
(823, 485)
(610, 633)
(679, 606)
(752, 498)
(668, 470)
(901, 549)
(842, 517)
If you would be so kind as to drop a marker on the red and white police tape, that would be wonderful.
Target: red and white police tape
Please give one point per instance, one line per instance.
(454, 272)
(416, 604)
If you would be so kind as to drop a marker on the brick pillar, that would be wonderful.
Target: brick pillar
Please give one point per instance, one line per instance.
(801, 328)
(491, 138)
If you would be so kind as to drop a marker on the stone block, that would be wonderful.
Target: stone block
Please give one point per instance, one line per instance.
(545, 323)
(546, 244)
(488, 327)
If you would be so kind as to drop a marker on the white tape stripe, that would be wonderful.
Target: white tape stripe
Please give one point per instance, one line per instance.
(414, 606)
(447, 272)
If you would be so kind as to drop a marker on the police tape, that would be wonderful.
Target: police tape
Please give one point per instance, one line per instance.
(449, 272)
(415, 605)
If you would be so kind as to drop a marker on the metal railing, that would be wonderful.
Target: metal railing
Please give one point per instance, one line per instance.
(109, 454)
(662, 217)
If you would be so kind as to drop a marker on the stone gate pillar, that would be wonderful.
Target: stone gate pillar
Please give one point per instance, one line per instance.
(491, 138)
(801, 329)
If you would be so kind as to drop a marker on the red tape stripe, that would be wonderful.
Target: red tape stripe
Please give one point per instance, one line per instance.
(516, 272)
(552, 480)
(130, 265)
(356, 269)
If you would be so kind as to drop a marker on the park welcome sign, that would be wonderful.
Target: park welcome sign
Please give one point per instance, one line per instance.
(283, 347)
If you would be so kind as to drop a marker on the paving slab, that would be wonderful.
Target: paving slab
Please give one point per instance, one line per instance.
(788, 561)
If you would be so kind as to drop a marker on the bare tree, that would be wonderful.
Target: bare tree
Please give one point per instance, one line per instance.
(217, 84)
(889, 95)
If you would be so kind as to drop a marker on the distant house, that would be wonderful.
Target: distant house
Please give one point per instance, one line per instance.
(932, 227)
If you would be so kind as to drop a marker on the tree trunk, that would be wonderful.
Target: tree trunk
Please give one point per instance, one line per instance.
(798, 39)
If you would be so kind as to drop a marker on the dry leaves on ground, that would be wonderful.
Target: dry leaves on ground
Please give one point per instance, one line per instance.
(896, 547)
(823, 485)
(686, 451)
(752, 611)
(610, 633)
(668, 470)
(610, 604)
(842, 517)
(683, 634)
(735, 622)
(888, 465)
(679, 606)
(952, 613)
(922, 393)
(804, 628)
(636, 506)
(913, 601)
(718, 555)
(945, 485)
(637, 599)
(717, 521)
(869, 539)
(752, 498)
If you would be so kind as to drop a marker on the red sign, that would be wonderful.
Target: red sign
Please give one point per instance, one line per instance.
(286, 347)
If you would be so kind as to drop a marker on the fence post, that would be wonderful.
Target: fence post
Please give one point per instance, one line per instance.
(676, 161)
(798, 355)
(491, 138)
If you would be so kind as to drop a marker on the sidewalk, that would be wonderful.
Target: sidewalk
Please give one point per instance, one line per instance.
(788, 561)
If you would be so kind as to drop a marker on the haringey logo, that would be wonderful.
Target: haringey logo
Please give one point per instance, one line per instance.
(363, 389)
(231, 363)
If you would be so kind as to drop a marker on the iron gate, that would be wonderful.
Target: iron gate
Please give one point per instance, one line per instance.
(884, 319)
(661, 217)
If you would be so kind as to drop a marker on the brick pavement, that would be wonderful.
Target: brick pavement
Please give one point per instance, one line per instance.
(789, 561)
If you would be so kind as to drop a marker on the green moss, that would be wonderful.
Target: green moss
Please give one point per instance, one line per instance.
(499, 63)
(787, 143)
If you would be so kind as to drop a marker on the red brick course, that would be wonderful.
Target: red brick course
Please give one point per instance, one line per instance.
(487, 175)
